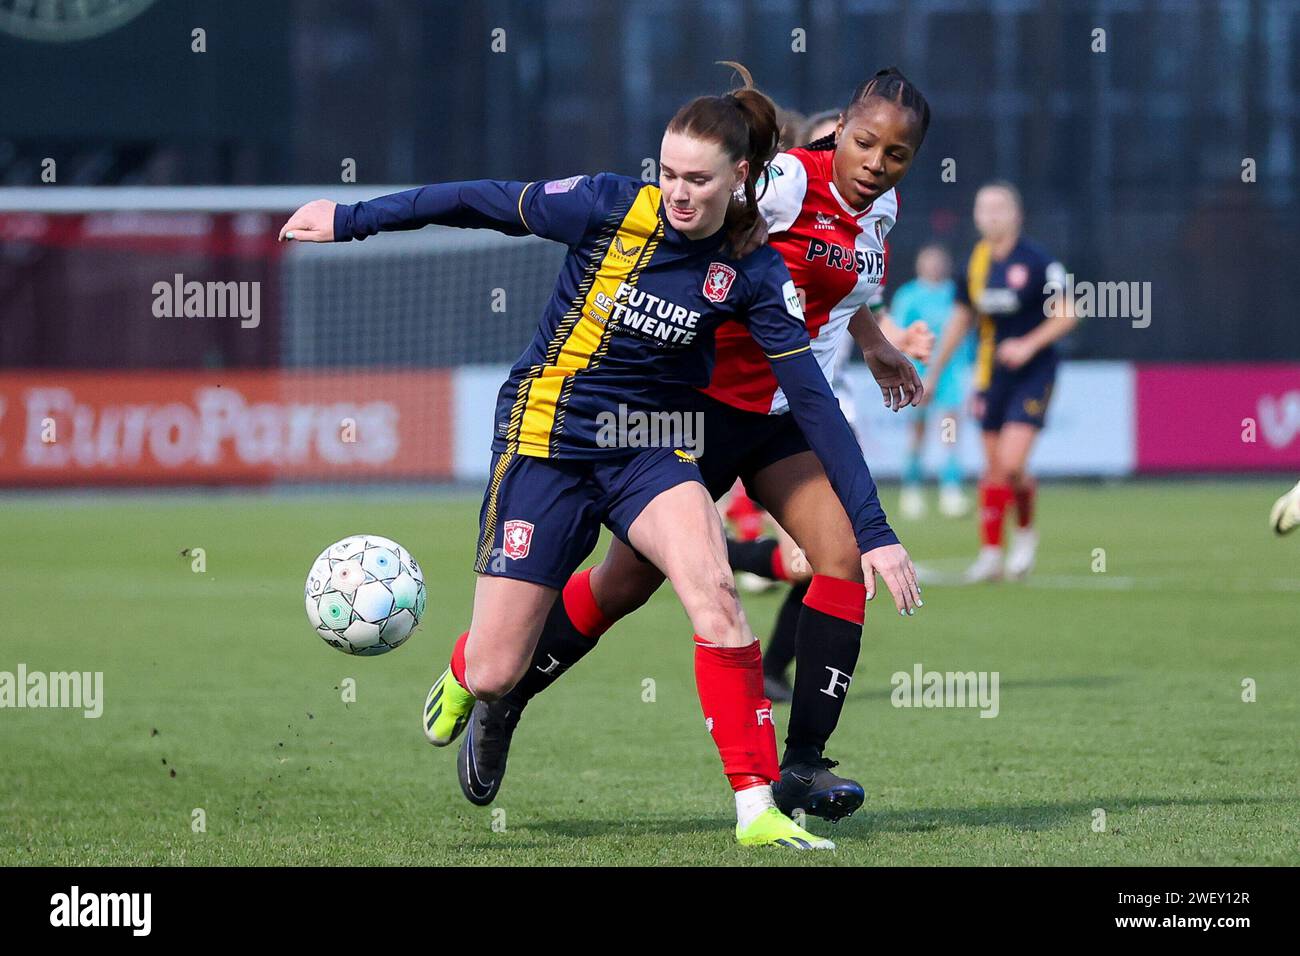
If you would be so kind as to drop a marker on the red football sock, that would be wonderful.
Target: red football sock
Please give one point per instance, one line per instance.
(580, 604)
(994, 499)
(837, 597)
(745, 515)
(730, 684)
(1025, 496)
(743, 781)
(779, 572)
(458, 660)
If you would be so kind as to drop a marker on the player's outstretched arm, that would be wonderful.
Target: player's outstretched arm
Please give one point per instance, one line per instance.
(897, 377)
(313, 222)
(556, 210)
(776, 321)
(818, 413)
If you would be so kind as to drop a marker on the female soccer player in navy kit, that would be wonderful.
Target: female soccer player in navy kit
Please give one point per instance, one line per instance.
(651, 273)
(1008, 282)
(828, 207)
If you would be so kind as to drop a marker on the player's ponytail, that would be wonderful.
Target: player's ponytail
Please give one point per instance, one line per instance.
(743, 122)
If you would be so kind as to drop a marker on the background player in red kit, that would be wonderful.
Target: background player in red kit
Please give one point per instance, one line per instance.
(828, 207)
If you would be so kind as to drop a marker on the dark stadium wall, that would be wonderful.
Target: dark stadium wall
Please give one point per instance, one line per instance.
(1130, 161)
(138, 104)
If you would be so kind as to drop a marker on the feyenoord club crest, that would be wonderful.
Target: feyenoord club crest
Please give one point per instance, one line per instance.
(517, 539)
(880, 232)
(1017, 275)
(718, 282)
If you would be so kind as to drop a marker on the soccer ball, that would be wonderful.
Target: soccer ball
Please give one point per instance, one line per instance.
(365, 595)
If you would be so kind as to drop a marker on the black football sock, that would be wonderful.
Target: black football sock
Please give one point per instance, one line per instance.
(781, 646)
(829, 638)
(571, 630)
(753, 556)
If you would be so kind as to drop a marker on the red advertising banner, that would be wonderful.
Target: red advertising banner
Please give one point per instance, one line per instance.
(1218, 417)
(223, 427)
(82, 291)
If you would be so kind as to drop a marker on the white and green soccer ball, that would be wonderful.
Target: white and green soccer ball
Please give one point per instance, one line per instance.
(365, 595)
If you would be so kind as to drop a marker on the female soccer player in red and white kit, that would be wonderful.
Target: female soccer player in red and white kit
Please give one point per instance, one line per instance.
(1015, 288)
(651, 273)
(828, 208)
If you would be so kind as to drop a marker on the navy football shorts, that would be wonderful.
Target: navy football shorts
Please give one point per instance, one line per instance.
(541, 516)
(1018, 396)
(739, 444)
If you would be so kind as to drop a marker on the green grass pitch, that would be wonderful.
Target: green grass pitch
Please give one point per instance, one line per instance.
(1119, 690)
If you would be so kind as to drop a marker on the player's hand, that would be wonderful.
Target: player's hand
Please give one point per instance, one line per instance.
(751, 240)
(918, 341)
(897, 377)
(313, 222)
(1015, 352)
(895, 568)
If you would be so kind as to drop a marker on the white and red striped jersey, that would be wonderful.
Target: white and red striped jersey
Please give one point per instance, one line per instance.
(836, 255)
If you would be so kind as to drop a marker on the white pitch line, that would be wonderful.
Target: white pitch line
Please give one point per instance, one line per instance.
(947, 573)
(1116, 582)
(1153, 582)
(1079, 582)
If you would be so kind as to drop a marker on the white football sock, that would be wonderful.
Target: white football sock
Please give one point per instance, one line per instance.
(751, 802)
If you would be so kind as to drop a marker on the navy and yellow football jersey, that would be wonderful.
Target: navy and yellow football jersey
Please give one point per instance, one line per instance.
(1008, 297)
(631, 320)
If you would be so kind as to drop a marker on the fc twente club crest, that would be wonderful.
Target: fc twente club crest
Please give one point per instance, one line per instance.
(718, 282)
(517, 539)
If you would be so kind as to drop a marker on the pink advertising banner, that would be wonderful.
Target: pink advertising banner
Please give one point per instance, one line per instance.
(1218, 417)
